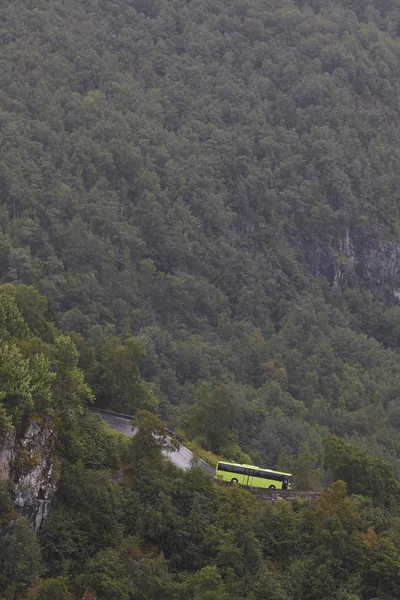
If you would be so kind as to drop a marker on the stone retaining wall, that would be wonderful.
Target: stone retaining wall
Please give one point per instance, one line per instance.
(289, 495)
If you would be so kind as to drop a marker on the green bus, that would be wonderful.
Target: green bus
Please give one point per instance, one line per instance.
(253, 476)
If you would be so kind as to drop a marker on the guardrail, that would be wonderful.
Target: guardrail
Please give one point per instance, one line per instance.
(109, 412)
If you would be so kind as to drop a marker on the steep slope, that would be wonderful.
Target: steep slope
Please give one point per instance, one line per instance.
(181, 172)
(42, 397)
(207, 193)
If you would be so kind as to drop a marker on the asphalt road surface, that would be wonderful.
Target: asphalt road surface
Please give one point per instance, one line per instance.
(182, 458)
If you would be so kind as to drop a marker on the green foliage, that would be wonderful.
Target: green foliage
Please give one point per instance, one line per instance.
(168, 182)
(6, 505)
(125, 572)
(19, 559)
(86, 519)
(166, 185)
(117, 381)
(15, 381)
(69, 388)
(5, 419)
(12, 324)
(151, 437)
(199, 452)
(38, 366)
(101, 446)
(207, 584)
(50, 589)
(40, 381)
(173, 176)
(363, 474)
(176, 535)
(212, 417)
(306, 475)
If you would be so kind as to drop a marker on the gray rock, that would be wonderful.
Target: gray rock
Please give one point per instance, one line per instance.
(354, 258)
(27, 460)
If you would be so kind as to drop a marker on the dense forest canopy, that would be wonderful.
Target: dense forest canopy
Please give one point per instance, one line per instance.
(173, 177)
(163, 532)
(166, 170)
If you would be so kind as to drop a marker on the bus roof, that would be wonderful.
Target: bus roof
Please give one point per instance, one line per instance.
(225, 462)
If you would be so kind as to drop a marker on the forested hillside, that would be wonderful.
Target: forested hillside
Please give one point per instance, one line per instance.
(177, 173)
(162, 532)
(206, 195)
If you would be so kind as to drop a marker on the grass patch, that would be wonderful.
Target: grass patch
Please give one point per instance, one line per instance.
(199, 452)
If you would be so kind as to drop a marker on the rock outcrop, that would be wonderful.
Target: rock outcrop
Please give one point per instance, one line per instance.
(27, 460)
(355, 258)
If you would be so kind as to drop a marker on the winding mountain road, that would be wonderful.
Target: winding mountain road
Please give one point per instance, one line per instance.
(182, 457)
(185, 459)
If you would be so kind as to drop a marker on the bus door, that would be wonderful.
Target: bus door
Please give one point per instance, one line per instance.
(249, 477)
(246, 477)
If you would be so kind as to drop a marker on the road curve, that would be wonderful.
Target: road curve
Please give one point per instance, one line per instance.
(182, 457)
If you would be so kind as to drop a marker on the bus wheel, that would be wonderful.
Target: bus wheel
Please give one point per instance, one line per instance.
(272, 487)
(234, 480)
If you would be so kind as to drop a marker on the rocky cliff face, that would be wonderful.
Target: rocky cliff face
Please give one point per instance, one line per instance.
(372, 261)
(27, 460)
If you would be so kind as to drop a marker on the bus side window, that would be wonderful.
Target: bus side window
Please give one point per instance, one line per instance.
(224, 467)
(271, 476)
(240, 470)
(233, 469)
